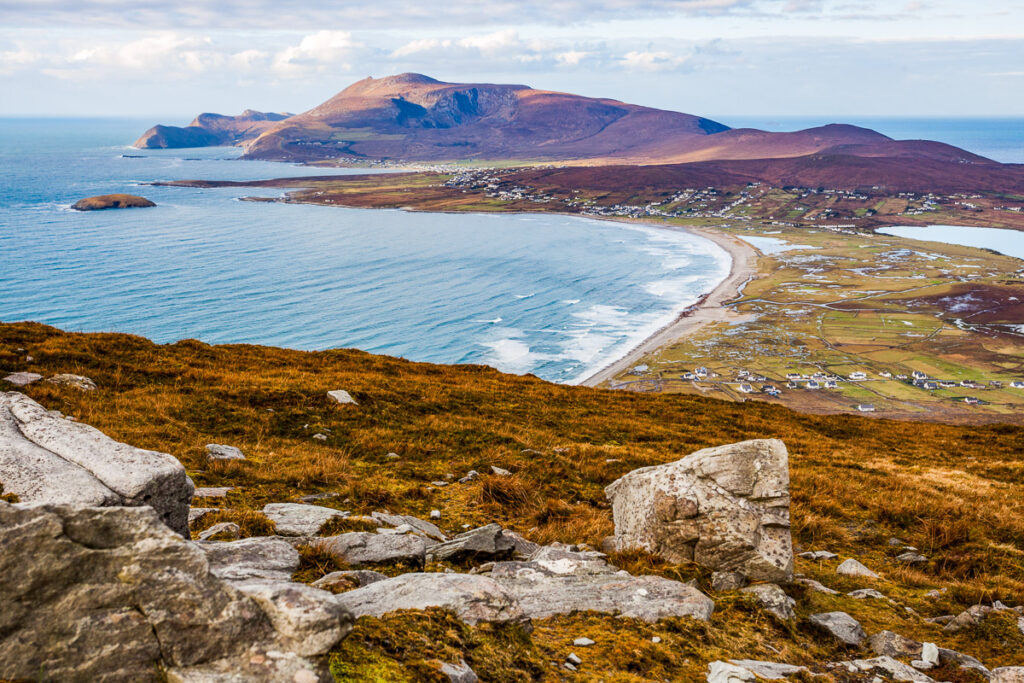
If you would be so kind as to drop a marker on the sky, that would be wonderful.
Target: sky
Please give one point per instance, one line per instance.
(853, 58)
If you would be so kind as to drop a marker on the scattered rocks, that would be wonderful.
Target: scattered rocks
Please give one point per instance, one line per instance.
(317, 497)
(341, 397)
(225, 531)
(216, 451)
(75, 381)
(774, 600)
(841, 626)
(473, 598)
(359, 577)
(299, 519)
(22, 379)
(726, 508)
(852, 567)
(486, 543)
(320, 437)
(46, 459)
(459, 673)
(360, 547)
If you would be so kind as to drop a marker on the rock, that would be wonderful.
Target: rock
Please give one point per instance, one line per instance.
(112, 201)
(774, 600)
(485, 543)
(840, 625)
(225, 531)
(195, 515)
(212, 491)
(888, 666)
(964, 661)
(459, 673)
(889, 644)
(523, 548)
(582, 642)
(726, 508)
(574, 659)
(544, 587)
(472, 597)
(500, 471)
(317, 497)
(422, 527)
(112, 594)
(911, 558)
(75, 381)
(46, 459)
(724, 672)
(216, 451)
(819, 555)
(930, 654)
(320, 437)
(470, 476)
(852, 567)
(360, 547)
(971, 616)
(865, 593)
(772, 671)
(260, 557)
(1008, 674)
(299, 519)
(816, 586)
(342, 397)
(308, 621)
(346, 579)
(727, 581)
(435, 514)
(22, 379)
(272, 666)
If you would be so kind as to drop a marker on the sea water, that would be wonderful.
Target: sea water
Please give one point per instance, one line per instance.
(555, 296)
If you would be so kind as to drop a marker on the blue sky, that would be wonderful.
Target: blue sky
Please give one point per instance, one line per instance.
(174, 58)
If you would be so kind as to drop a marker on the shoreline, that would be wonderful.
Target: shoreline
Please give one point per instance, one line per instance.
(708, 309)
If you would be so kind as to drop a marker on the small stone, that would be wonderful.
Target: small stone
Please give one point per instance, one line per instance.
(655, 639)
(299, 519)
(459, 673)
(816, 586)
(930, 653)
(314, 497)
(840, 625)
(342, 397)
(345, 578)
(225, 531)
(583, 642)
(724, 672)
(22, 379)
(435, 514)
(77, 381)
(896, 542)
(774, 600)
(573, 659)
(819, 555)
(865, 593)
(197, 514)
(216, 451)
(470, 476)
(212, 491)
(439, 484)
(320, 437)
(852, 567)
(911, 558)
(501, 472)
(569, 666)
(393, 456)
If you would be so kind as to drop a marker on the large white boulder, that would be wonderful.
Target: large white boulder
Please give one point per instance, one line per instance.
(726, 508)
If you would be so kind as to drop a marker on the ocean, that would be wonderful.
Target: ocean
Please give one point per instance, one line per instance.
(559, 297)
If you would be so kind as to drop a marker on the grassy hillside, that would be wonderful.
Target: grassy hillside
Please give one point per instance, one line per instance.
(954, 492)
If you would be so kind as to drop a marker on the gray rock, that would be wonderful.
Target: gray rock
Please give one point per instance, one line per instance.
(260, 557)
(583, 642)
(971, 616)
(317, 497)
(75, 381)
(501, 472)
(911, 558)
(470, 476)
(522, 548)
(459, 673)
(22, 379)
(227, 531)
(865, 593)
(212, 491)
(342, 397)
(726, 508)
(841, 626)
(574, 659)
(422, 527)
(819, 555)
(271, 666)
(930, 654)
(485, 543)
(361, 577)
(1008, 674)
(472, 597)
(852, 567)
(112, 594)
(299, 519)
(816, 586)
(216, 451)
(725, 672)
(195, 515)
(889, 667)
(727, 581)
(889, 644)
(360, 547)
(435, 514)
(774, 600)
(308, 621)
(47, 459)
(772, 671)
(320, 437)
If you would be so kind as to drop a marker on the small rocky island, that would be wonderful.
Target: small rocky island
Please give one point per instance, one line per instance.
(111, 201)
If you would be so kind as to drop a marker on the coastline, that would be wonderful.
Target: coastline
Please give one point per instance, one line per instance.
(708, 309)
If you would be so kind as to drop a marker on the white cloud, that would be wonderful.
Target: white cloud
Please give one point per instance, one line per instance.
(316, 51)
(652, 61)
(421, 46)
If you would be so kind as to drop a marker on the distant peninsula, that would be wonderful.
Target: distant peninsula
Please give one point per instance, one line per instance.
(112, 201)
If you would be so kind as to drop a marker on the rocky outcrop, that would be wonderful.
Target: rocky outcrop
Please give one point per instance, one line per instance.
(112, 201)
(208, 130)
(45, 458)
(726, 508)
(111, 594)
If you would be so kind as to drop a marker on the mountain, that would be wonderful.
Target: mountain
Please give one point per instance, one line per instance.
(209, 130)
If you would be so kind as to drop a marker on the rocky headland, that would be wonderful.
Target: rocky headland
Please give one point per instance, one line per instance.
(112, 201)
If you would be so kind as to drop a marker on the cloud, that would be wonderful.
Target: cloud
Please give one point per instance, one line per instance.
(316, 52)
(652, 61)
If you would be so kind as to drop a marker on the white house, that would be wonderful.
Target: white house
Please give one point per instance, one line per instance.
(746, 388)
(866, 408)
(858, 376)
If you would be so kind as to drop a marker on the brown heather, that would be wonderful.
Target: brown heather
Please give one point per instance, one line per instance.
(955, 492)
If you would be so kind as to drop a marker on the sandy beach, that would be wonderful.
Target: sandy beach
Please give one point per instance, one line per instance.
(709, 309)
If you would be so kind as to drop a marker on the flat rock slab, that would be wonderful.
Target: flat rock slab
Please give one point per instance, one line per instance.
(76, 381)
(348, 577)
(772, 671)
(473, 598)
(342, 397)
(212, 491)
(299, 519)
(47, 459)
(421, 526)
(485, 543)
(216, 451)
(22, 379)
(259, 557)
(361, 547)
(725, 508)
(841, 626)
